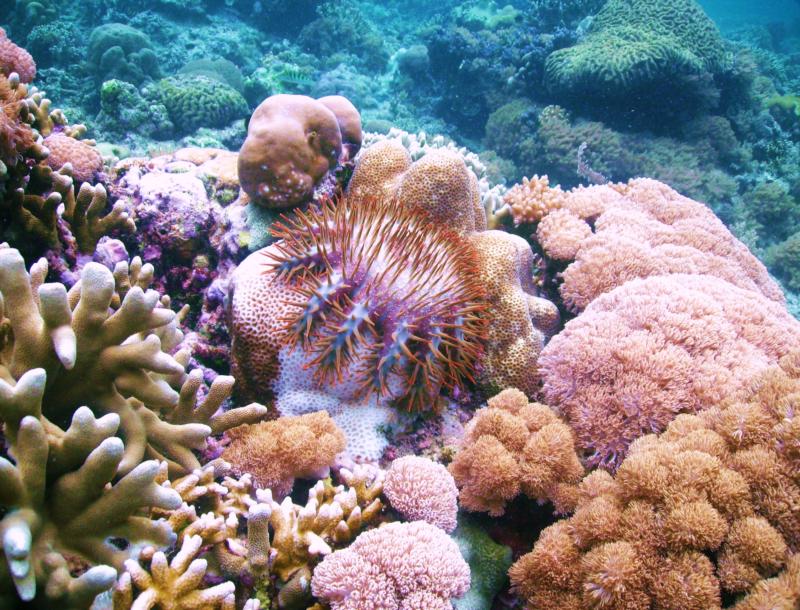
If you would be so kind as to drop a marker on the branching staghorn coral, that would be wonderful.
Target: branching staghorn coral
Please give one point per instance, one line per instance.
(511, 447)
(110, 360)
(59, 500)
(710, 506)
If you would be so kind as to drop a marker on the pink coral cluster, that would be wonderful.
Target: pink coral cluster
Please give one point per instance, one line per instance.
(15, 59)
(422, 490)
(653, 348)
(400, 566)
(640, 229)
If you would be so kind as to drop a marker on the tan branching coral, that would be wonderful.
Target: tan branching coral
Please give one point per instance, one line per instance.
(60, 500)
(518, 320)
(533, 199)
(277, 452)
(110, 360)
(511, 447)
(708, 507)
(175, 584)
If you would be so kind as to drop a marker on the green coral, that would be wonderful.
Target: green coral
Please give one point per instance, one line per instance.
(638, 44)
(124, 110)
(488, 564)
(198, 101)
(783, 260)
(119, 51)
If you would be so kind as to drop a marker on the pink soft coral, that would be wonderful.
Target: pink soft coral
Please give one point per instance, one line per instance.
(421, 489)
(400, 566)
(643, 228)
(653, 348)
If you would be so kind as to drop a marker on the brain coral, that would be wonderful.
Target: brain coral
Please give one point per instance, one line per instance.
(292, 142)
(422, 490)
(198, 101)
(637, 46)
(519, 321)
(86, 161)
(400, 566)
(15, 59)
(439, 183)
(653, 348)
(345, 285)
(640, 229)
(277, 452)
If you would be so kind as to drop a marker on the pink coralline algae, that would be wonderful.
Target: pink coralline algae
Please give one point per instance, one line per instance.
(399, 566)
(422, 490)
(653, 348)
(640, 229)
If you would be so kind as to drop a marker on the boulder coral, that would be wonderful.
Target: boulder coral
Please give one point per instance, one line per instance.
(519, 321)
(414, 566)
(633, 48)
(512, 447)
(653, 348)
(708, 507)
(611, 234)
(86, 162)
(439, 183)
(292, 142)
(275, 453)
(343, 289)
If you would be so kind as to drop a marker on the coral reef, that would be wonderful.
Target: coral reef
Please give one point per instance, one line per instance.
(410, 565)
(653, 348)
(275, 453)
(511, 447)
(292, 142)
(117, 50)
(422, 490)
(699, 510)
(15, 59)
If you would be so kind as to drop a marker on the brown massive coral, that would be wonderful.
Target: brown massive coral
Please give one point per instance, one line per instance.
(511, 447)
(708, 507)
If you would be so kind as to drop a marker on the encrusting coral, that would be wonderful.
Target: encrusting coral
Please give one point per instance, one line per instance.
(275, 453)
(419, 489)
(414, 566)
(707, 507)
(653, 348)
(511, 447)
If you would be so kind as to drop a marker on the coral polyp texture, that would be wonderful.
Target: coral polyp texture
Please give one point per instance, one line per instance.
(439, 183)
(414, 566)
(533, 199)
(654, 348)
(512, 447)
(15, 59)
(637, 230)
(705, 510)
(371, 296)
(292, 142)
(638, 47)
(422, 490)
(519, 321)
(275, 453)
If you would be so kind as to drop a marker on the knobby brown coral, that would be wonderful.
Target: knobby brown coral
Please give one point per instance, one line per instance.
(277, 452)
(511, 447)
